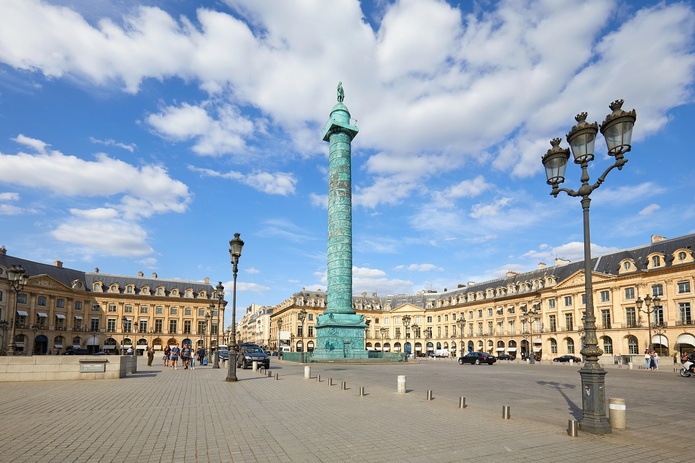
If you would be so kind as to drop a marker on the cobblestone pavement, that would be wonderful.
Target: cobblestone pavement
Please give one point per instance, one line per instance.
(162, 415)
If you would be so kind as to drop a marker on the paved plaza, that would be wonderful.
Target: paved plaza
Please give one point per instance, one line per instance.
(162, 415)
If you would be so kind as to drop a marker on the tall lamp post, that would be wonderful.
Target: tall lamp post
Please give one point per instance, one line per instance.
(220, 297)
(617, 131)
(301, 316)
(530, 316)
(18, 279)
(124, 322)
(211, 312)
(461, 322)
(649, 310)
(235, 247)
(279, 323)
(406, 322)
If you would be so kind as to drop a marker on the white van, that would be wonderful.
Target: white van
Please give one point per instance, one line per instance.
(441, 353)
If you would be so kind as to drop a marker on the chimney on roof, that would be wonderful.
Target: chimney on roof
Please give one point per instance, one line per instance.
(154, 275)
(96, 269)
(511, 274)
(657, 238)
(207, 280)
(140, 274)
(461, 285)
(58, 264)
(3, 251)
(559, 261)
(541, 265)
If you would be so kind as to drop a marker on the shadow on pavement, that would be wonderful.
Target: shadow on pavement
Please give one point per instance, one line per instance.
(574, 410)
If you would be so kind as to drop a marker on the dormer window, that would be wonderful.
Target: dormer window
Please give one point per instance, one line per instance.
(626, 265)
(96, 287)
(656, 261)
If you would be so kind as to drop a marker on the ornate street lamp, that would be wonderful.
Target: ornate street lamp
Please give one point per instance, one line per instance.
(17, 277)
(124, 322)
(301, 316)
(235, 247)
(530, 316)
(406, 322)
(4, 324)
(220, 298)
(211, 313)
(617, 131)
(279, 323)
(649, 310)
(461, 322)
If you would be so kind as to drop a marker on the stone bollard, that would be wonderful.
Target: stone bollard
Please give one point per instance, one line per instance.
(617, 413)
(462, 402)
(429, 394)
(277, 376)
(630, 366)
(361, 391)
(270, 373)
(307, 372)
(343, 386)
(254, 366)
(506, 412)
(318, 378)
(401, 384)
(330, 381)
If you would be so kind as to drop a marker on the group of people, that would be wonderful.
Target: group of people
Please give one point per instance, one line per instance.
(172, 355)
(651, 359)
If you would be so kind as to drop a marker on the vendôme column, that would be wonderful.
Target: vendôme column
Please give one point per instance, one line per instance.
(339, 331)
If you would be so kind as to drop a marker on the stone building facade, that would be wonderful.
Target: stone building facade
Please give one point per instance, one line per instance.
(61, 309)
(540, 310)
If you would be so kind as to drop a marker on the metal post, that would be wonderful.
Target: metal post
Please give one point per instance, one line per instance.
(220, 296)
(236, 245)
(18, 279)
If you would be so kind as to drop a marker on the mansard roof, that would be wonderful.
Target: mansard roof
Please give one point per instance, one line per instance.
(67, 276)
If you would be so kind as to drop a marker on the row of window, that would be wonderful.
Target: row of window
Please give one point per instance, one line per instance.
(97, 287)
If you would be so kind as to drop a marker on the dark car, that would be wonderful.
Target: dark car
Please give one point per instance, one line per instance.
(77, 351)
(476, 358)
(249, 353)
(567, 358)
(223, 353)
(504, 357)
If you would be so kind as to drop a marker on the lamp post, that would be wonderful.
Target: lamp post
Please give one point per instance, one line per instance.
(416, 335)
(235, 247)
(461, 322)
(279, 347)
(124, 322)
(302, 316)
(406, 322)
(383, 332)
(649, 310)
(34, 328)
(617, 131)
(220, 296)
(208, 316)
(530, 316)
(17, 277)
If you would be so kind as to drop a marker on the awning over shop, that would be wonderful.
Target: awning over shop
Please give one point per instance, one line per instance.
(660, 339)
(78, 317)
(686, 338)
(19, 344)
(109, 346)
(22, 313)
(537, 341)
(511, 349)
(42, 314)
(57, 346)
(537, 349)
(141, 347)
(60, 316)
(500, 349)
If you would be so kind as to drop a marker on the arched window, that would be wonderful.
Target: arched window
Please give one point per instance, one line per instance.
(607, 345)
(553, 346)
(570, 346)
(632, 345)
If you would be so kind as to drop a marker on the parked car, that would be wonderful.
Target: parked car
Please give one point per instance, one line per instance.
(223, 352)
(567, 358)
(251, 353)
(505, 357)
(76, 351)
(476, 358)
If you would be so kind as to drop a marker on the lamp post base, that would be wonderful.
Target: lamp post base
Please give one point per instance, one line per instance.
(594, 420)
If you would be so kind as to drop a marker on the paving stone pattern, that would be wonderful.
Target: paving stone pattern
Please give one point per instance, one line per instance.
(162, 415)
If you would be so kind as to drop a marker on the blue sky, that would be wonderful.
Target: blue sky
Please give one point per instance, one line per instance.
(141, 135)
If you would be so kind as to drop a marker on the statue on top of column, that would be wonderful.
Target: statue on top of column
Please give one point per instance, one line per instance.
(341, 93)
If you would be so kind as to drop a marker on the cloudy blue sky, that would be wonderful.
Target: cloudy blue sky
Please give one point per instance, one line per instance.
(141, 135)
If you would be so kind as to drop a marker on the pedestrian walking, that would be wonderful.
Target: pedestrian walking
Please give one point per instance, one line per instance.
(647, 359)
(201, 355)
(167, 355)
(175, 351)
(655, 360)
(150, 356)
(192, 361)
(186, 355)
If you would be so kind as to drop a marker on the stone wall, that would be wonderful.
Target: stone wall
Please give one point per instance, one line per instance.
(65, 367)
